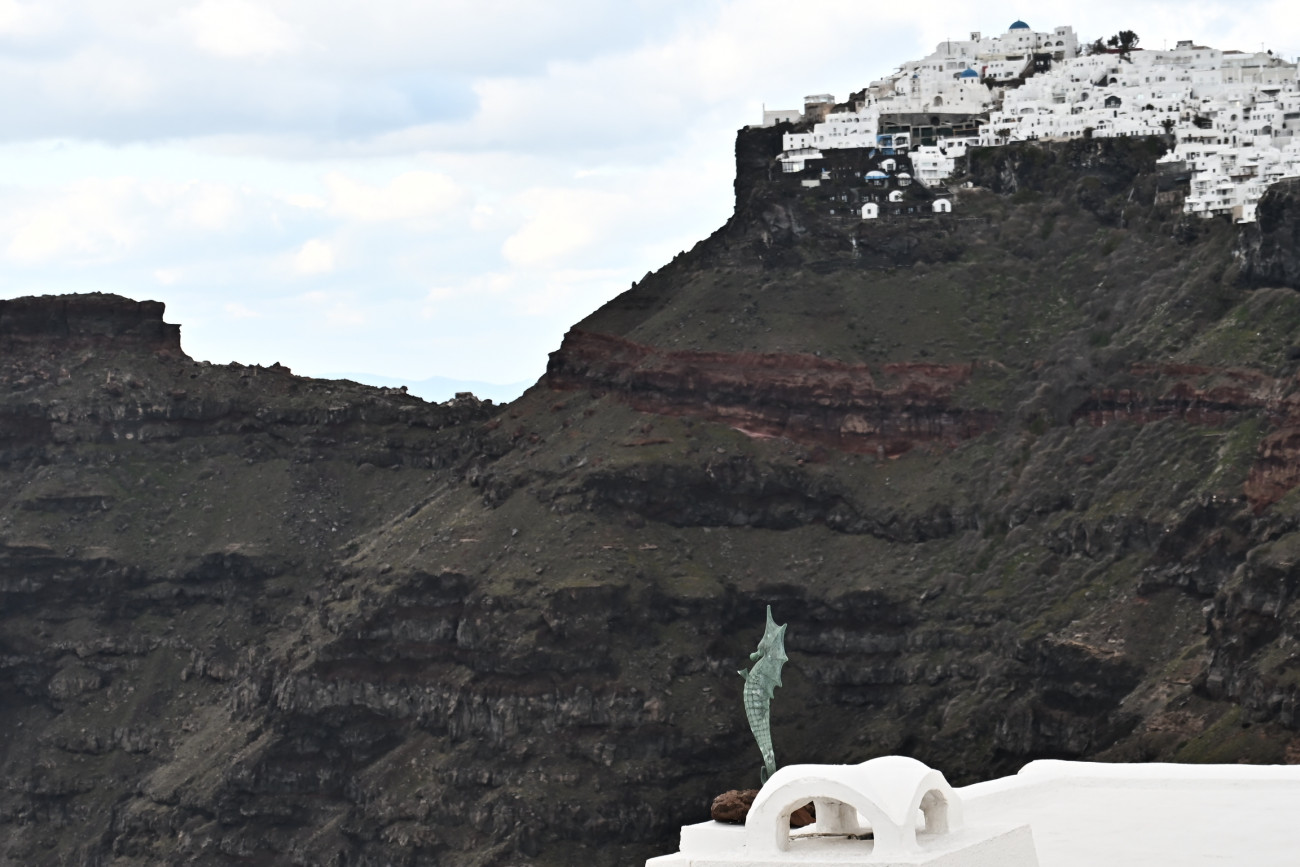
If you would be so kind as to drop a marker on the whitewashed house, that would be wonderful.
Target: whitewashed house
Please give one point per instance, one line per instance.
(1233, 115)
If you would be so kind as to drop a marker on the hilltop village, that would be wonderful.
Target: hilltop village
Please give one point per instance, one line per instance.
(1233, 117)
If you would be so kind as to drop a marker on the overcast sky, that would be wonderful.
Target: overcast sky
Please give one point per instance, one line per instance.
(419, 188)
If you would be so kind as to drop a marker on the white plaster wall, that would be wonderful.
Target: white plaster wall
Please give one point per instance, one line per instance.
(1084, 814)
(1157, 815)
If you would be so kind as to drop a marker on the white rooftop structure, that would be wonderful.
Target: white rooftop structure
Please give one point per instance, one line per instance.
(1051, 814)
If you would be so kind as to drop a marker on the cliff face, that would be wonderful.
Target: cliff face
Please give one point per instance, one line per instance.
(164, 526)
(1020, 478)
(803, 398)
(86, 320)
(1267, 248)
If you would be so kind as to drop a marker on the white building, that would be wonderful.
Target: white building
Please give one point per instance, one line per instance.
(935, 163)
(951, 80)
(1234, 115)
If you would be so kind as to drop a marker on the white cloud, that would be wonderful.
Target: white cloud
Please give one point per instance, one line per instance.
(409, 196)
(93, 80)
(20, 20)
(448, 298)
(212, 207)
(573, 292)
(483, 218)
(396, 75)
(314, 257)
(238, 29)
(130, 220)
(331, 308)
(543, 241)
(344, 315)
(306, 201)
(90, 219)
(13, 16)
(562, 223)
(236, 310)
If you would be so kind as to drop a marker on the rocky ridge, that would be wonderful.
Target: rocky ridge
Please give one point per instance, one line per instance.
(1020, 478)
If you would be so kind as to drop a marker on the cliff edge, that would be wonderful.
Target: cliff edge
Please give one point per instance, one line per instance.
(1020, 477)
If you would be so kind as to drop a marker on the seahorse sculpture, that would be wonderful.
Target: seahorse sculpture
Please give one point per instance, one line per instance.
(760, 683)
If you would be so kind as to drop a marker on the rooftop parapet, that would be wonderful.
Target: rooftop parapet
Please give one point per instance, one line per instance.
(887, 812)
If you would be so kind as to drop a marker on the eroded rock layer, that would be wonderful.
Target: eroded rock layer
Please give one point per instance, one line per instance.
(1020, 478)
(800, 397)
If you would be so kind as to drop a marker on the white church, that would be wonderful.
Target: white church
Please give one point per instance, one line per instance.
(1233, 115)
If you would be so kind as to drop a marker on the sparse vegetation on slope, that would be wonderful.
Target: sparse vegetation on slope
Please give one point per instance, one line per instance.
(252, 618)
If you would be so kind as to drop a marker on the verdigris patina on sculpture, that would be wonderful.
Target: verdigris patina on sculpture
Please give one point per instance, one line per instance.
(761, 682)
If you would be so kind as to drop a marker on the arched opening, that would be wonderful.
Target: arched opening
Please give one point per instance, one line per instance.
(839, 813)
(938, 101)
(837, 817)
(934, 807)
(892, 797)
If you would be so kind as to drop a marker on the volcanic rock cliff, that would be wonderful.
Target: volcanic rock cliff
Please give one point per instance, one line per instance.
(1020, 478)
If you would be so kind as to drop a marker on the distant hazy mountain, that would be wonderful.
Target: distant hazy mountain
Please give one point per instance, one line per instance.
(439, 388)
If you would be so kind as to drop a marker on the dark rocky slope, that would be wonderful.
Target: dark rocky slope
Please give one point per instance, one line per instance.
(1021, 479)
